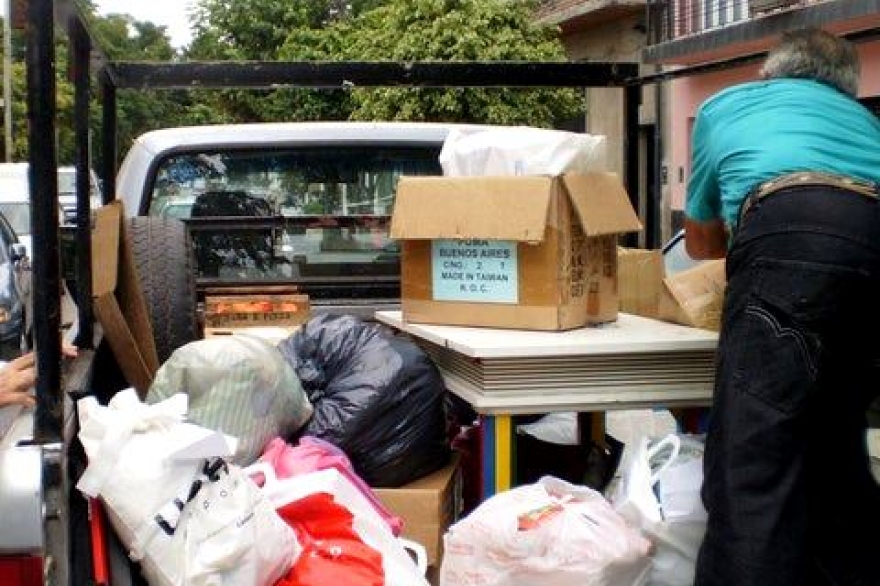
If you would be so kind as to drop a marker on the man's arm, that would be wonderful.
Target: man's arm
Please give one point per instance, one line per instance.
(705, 240)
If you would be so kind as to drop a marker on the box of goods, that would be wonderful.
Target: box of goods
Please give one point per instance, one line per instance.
(534, 252)
(694, 297)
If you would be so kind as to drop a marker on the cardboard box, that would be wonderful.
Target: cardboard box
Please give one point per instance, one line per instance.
(640, 280)
(118, 300)
(428, 506)
(695, 297)
(256, 310)
(529, 252)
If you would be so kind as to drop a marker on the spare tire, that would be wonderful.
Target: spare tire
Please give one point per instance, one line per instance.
(164, 262)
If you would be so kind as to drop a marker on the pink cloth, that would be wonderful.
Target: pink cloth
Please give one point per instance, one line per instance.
(312, 454)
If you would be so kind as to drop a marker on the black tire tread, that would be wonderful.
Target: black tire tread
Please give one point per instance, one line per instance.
(164, 263)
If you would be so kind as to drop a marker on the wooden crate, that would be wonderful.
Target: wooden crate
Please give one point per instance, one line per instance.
(251, 307)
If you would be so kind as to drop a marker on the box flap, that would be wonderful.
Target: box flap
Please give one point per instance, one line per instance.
(492, 208)
(105, 248)
(698, 293)
(601, 203)
(118, 300)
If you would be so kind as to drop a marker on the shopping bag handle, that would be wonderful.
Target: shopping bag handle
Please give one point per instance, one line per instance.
(671, 441)
(417, 552)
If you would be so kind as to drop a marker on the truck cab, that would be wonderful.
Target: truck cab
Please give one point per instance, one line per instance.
(306, 204)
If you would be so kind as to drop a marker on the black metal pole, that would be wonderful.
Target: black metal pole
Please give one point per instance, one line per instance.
(631, 98)
(655, 237)
(46, 290)
(108, 137)
(80, 49)
(346, 74)
(43, 180)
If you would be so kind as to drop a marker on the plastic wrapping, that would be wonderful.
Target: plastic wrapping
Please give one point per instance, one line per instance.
(239, 385)
(521, 150)
(376, 396)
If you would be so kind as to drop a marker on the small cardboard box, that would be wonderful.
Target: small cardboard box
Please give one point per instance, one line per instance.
(242, 310)
(529, 252)
(692, 297)
(428, 506)
(640, 280)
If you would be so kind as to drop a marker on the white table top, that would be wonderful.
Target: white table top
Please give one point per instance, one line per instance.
(629, 334)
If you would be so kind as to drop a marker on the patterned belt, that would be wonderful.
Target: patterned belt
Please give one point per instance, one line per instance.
(809, 178)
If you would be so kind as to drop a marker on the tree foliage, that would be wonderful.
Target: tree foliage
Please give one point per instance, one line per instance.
(385, 30)
(315, 30)
(119, 36)
(457, 30)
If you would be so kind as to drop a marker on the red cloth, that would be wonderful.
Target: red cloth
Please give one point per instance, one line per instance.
(311, 454)
(333, 553)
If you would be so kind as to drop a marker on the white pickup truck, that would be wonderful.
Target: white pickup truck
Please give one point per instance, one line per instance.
(302, 204)
(295, 204)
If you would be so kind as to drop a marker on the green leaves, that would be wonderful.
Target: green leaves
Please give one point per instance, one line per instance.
(325, 30)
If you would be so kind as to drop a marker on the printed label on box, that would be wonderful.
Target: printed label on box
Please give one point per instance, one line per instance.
(485, 271)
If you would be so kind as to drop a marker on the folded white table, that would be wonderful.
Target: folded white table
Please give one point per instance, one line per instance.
(631, 363)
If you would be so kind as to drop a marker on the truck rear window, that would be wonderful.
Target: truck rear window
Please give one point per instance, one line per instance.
(289, 214)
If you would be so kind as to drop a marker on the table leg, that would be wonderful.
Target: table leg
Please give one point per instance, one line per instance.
(496, 454)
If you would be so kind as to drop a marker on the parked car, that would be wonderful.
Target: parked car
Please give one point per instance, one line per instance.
(67, 192)
(15, 197)
(14, 289)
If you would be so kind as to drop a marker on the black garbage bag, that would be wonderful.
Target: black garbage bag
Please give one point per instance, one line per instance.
(376, 395)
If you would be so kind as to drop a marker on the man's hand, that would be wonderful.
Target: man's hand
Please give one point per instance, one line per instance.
(18, 377)
(705, 240)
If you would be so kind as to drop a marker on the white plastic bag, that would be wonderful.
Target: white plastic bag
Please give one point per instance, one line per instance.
(521, 150)
(555, 428)
(660, 492)
(229, 533)
(403, 561)
(143, 462)
(551, 533)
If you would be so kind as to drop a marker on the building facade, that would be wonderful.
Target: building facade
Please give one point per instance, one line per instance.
(688, 50)
(707, 45)
(615, 31)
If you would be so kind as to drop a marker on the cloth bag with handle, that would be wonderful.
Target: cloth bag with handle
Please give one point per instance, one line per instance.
(311, 454)
(403, 562)
(147, 465)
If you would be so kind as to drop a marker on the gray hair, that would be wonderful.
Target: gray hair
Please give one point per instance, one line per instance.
(817, 55)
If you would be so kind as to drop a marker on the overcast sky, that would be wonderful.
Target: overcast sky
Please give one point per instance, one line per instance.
(168, 13)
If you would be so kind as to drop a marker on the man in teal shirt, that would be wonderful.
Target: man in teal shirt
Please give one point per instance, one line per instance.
(784, 185)
(757, 131)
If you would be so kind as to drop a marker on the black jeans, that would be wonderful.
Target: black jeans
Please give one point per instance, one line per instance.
(788, 486)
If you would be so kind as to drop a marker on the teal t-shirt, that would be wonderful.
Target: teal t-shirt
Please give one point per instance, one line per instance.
(752, 132)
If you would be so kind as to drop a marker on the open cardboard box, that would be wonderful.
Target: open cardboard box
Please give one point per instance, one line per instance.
(692, 297)
(529, 252)
(118, 300)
